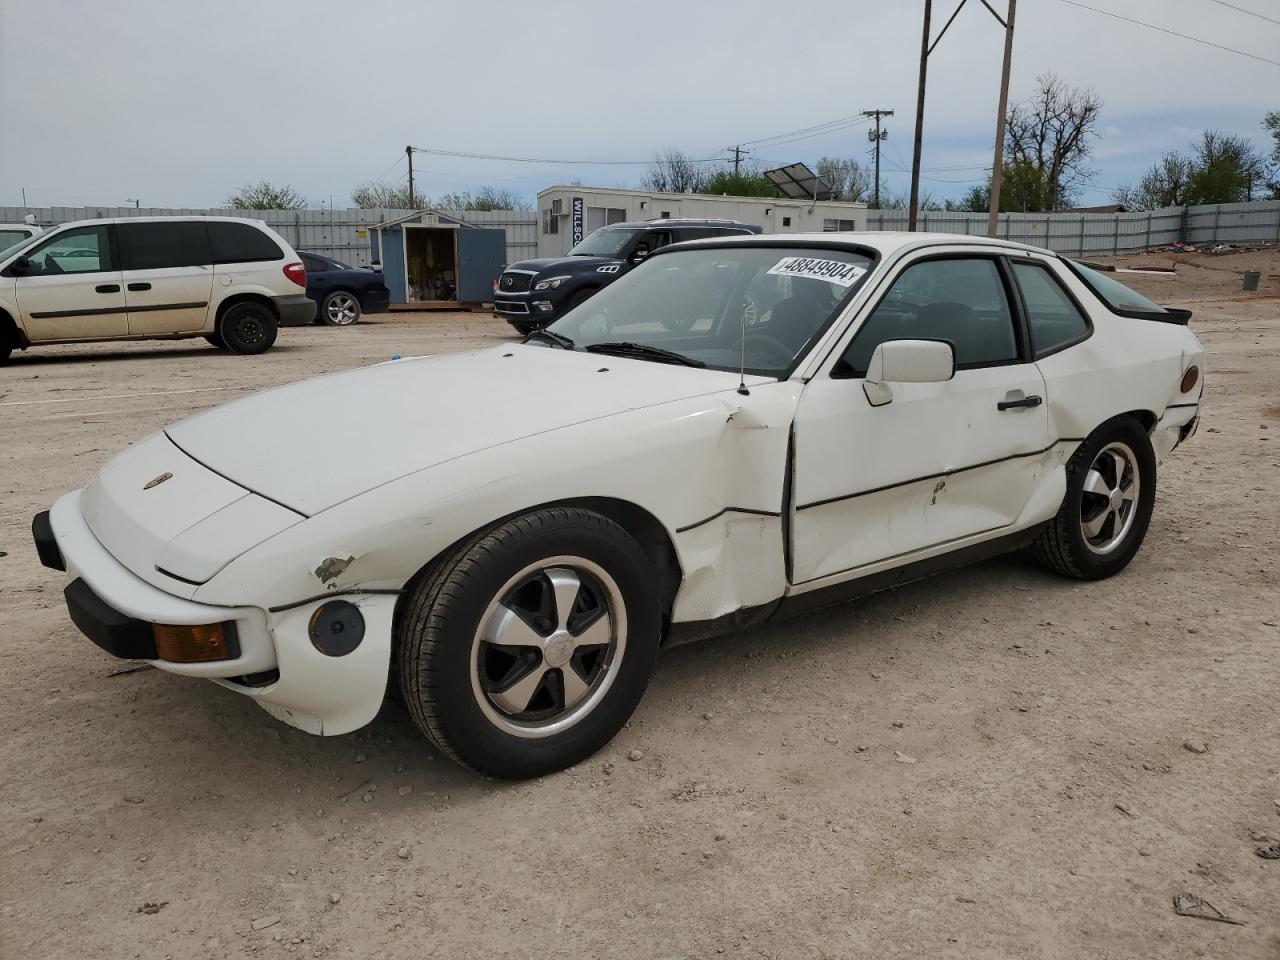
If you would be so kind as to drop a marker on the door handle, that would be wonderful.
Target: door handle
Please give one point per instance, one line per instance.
(1031, 401)
(107, 288)
(139, 286)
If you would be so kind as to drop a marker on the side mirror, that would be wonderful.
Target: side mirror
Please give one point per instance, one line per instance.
(20, 267)
(907, 361)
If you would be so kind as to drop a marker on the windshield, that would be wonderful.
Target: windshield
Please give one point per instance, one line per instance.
(760, 307)
(1116, 295)
(11, 241)
(605, 242)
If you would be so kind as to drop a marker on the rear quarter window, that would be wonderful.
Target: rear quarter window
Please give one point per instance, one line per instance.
(241, 243)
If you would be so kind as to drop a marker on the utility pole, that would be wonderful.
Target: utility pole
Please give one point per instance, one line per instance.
(737, 159)
(914, 208)
(876, 136)
(997, 169)
(408, 152)
(136, 203)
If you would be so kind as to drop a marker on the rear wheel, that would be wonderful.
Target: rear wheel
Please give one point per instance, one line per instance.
(1111, 491)
(527, 650)
(340, 308)
(248, 328)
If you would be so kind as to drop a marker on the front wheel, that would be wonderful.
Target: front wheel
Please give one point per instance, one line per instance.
(340, 309)
(527, 650)
(1111, 491)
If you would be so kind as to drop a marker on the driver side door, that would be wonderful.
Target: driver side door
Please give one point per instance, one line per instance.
(941, 463)
(74, 289)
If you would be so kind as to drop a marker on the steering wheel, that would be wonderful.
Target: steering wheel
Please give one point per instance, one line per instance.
(783, 352)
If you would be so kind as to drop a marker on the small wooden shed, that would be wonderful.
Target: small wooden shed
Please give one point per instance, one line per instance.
(432, 261)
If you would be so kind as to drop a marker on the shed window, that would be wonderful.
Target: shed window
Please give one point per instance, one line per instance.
(786, 221)
(837, 226)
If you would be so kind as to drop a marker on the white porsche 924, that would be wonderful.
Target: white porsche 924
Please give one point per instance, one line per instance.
(736, 430)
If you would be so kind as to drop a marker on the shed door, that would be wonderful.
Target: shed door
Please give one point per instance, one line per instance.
(481, 256)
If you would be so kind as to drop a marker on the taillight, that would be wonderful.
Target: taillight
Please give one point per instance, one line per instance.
(297, 273)
(1190, 379)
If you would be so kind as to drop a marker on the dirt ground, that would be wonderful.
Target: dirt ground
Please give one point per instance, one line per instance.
(1082, 753)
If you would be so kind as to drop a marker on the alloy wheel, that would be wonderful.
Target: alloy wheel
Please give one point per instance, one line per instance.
(342, 309)
(548, 647)
(1109, 502)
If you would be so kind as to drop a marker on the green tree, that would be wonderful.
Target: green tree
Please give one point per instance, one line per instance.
(1221, 168)
(1048, 139)
(264, 195)
(745, 183)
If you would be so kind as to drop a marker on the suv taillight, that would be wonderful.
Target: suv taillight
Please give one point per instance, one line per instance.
(297, 273)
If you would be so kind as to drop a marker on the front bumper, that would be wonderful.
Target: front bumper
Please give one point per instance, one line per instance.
(274, 661)
(295, 311)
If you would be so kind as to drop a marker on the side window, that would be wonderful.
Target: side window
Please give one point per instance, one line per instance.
(83, 250)
(1055, 320)
(241, 243)
(9, 237)
(159, 244)
(960, 300)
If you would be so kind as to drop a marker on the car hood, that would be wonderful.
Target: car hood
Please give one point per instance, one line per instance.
(314, 444)
(572, 264)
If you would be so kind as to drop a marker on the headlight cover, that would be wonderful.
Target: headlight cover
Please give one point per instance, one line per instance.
(550, 283)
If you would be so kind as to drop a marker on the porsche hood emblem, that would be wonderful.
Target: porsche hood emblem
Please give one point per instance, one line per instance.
(157, 481)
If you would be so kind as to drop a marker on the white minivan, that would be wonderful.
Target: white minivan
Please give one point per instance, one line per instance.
(231, 281)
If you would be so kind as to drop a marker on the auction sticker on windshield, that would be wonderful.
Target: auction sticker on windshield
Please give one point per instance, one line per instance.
(832, 271)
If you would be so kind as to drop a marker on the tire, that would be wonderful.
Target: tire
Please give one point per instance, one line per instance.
(524, 329)
(340, 309)
(216, 340)
(507, 708)
(1094, 535)
(5, 351)
(248, 328)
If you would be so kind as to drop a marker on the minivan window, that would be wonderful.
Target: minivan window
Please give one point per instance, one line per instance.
(157, 245)
(240, 243)
(79, 250)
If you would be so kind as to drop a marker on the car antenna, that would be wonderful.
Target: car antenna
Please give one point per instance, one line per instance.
(742, 357)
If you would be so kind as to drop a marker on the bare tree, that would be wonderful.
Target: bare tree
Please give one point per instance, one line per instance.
(674, 171)
(391, 196)
(1164, 185)
(266, 196)
(1052, 132)
(850, 181)
(486, 198)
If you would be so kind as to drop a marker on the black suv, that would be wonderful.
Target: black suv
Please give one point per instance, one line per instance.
(534, 293)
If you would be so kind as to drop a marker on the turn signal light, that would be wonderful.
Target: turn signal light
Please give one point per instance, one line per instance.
(1190, 379)
(195, 644)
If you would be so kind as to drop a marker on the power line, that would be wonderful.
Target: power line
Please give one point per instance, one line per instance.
(592, 163)
(846, 121)
(1173, 33)
(379, 178)
(1251, 13)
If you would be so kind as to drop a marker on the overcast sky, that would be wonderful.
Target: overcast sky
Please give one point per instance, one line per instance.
(178, 102)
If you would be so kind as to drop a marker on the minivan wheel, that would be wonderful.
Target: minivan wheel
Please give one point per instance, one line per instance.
(1111, 491)
(248, 328)
(340, 309)
(528, 648)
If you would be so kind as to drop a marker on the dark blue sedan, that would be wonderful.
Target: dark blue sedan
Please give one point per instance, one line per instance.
(343, 293)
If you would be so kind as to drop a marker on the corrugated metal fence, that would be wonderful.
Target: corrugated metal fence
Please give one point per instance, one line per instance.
(1099, 234)
(341, 234)
(344, 234)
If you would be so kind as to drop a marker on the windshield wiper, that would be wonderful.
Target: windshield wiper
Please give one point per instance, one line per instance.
(626, 348)
(559, 339)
